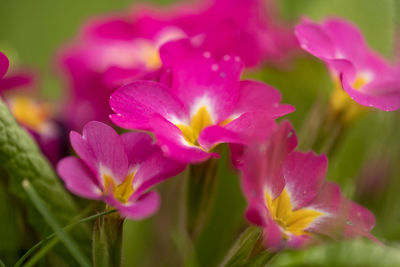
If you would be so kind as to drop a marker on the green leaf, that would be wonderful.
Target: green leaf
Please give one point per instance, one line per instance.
(21, 158)
(51, 240)
(241, 250)
(54, 224)
(348, 253)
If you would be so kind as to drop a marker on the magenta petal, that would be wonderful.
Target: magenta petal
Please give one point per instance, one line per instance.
(22, 78)
(252, 126)
(173, 144)
(314, 40)
(215, 135)
(4, 64)
(137, 102)
(155, 169)
(256, 212)
(145, 206)
(202, 80)
(256, 95)
(78, 178)
(272, 236)
(383, 94)
(103, 149)
(348, 39)
(297, 241)
(138, 146)
(304, 174)
(360, 221)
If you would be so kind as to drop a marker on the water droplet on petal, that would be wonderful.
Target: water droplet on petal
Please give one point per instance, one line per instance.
(227, 57)
(214, 67)
(207, 54)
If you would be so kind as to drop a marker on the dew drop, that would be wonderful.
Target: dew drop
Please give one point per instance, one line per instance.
(214, 67)
(207, 54)
(227, 57)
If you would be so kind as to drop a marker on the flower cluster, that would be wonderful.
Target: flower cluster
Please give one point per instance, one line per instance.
(175, 82)
(115, 50)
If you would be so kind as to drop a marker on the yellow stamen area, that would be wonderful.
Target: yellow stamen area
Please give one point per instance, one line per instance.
(292, 221)
(199, 121)
(151, 57)
(29, 113)
(341, 102)
(123, 191)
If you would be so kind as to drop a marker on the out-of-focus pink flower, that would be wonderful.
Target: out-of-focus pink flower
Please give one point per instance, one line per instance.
(289, 198)
(363, 74)
(116, 50)
(117, 169)
(15, 80)
(204, 103)
(36, 117)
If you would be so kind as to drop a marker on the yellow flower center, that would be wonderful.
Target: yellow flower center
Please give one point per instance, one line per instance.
(151, 56)
(291, 221)
(341, 102)
(123, 191)
(29, 113)
(199, 121)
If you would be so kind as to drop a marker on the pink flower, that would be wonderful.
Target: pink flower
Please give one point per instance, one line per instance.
(17, 79)
(117, 169)
(289, 198)
(203, 104)
(116, 50)
(363, 74)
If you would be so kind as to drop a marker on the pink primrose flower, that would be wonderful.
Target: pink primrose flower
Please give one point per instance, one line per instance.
(117, 169)
(362, 73)
(202, 103)
(289, 198)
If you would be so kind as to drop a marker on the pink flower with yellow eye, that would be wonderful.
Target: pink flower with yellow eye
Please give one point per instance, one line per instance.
(363, 74)
(118, 170)
(116, 50)
(289, 198)
(204, 104)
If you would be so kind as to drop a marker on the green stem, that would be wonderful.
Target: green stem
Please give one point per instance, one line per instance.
(55, 239)
(107, 241)
(200, 194)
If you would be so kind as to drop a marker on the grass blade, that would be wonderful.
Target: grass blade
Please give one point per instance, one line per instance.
(52, 222)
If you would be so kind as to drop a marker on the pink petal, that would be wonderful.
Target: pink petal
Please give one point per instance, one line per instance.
(4, 64)
(155, 169)
(102, 148)
(304, 174)
(360, 221)
(383, 93)
(201, 80)
(145, 206)
(138, 146)
(78, 178)
(272, 236)
(136, 103)
(315, 40)
(115, 27)
(254, 96)
(215, 135)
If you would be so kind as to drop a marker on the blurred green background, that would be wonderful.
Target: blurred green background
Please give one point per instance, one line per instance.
(32, 31)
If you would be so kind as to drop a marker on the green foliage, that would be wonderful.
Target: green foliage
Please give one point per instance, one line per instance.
(21, 159)
(356, 253)
(69, 243)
